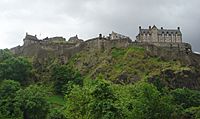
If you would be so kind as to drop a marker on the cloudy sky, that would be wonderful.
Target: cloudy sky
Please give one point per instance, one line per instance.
(88, 18)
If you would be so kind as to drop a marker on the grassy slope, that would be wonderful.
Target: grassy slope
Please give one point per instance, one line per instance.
(122, 65)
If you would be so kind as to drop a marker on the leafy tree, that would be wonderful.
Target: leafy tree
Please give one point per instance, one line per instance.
(32, 101)
(147, 103)
(186, 97)
(103, 102)
(18, 69)
(8, 107)
(78, 101)
(64, 78)
(5, 54)
(192, 113)
(56, 114)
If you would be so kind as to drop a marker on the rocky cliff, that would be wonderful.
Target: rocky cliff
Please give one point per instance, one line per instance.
(121, 60)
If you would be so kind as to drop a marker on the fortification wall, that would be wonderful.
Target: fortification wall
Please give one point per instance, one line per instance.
(65, 50)
(103, 43)
(169, 51)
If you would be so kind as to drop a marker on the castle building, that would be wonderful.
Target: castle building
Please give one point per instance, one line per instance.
(75, 39)
(154, 35)
(30, 39)
(115, 35)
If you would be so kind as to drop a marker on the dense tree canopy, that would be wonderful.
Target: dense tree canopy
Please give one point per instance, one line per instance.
(64, 77)
(32, 102)
(8, 102)
(14, 68)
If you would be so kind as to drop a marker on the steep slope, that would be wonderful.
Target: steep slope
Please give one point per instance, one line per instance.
(128, 65)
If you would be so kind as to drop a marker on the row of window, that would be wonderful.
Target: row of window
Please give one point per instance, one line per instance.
(162, 35)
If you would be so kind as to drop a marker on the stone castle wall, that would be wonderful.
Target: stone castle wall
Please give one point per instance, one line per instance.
(65, 50)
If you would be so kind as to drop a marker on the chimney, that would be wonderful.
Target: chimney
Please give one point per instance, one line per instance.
(162, 28)
(100, 36)
(149, 27)
(178, 28)
(140, 27)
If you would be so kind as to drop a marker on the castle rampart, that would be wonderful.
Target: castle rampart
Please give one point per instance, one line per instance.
(59, 47)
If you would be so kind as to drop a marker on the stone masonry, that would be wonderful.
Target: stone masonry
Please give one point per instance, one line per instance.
(155, 35)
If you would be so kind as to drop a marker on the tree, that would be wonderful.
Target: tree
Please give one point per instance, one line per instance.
(18, 69)
(32, 101)
(103, 102)
(5, 54)
(56, 114)
(64, 78)
(78, 101)
(186, 97)
(148, 103)
(8, 107)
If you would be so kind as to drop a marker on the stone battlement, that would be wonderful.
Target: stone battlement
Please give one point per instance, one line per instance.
(59, 47)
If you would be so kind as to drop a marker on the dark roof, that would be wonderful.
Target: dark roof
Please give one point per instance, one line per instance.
(169, 31)
(160, 31)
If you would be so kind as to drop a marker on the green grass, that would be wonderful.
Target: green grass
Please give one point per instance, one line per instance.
(116, 52)
(56, 100)
(132, 61)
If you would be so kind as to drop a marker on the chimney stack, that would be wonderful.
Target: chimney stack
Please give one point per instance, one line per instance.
(100, 36)
(149, 27)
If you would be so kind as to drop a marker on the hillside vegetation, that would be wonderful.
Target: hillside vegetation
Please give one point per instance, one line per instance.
(119, 83)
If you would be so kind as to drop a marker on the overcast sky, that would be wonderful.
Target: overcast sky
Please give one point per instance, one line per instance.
(88, 18)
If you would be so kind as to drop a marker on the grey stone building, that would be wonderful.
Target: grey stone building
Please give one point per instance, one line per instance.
(155, 35)
(30, 39)
(75, 39)
(115, 35)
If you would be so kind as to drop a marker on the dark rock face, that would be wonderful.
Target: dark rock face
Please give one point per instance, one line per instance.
(44, 51)
(173, 79)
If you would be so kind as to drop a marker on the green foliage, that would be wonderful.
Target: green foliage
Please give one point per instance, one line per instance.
(64, 78)
(186, 97)
(8, 107)
(148, 103)
(96, 102)
(122, 65)
(116, 52)
(78, 100)
(102, 105)
(56, 100)
(192, 113)
(32, 101)
(18, 69)
(56, 114)
(120, 96)
(5, 54)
